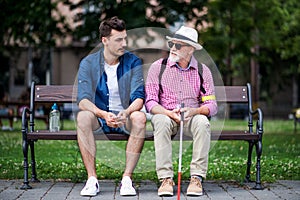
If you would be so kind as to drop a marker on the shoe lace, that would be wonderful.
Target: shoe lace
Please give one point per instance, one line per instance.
(167, 181)
(196, 181)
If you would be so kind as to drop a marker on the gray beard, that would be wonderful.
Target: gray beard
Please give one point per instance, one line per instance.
(174, 58)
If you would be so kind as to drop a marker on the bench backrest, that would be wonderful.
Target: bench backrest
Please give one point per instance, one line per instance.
(67, 94)
(55, 93)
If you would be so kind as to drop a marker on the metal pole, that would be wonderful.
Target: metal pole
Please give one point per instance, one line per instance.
(180, 152)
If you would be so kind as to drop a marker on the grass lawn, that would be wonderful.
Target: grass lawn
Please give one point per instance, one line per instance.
(227, 161)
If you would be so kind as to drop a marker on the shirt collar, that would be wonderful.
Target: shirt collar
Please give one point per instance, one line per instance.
(193, 64)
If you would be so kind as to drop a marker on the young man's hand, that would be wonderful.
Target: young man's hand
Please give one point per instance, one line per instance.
(111, 120)
(121, 118)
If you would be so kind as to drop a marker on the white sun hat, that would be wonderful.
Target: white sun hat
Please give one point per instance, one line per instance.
(187, 35)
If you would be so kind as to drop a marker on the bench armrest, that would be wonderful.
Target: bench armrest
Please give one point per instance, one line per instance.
(259, 123)
(258, 111)
(25, 113)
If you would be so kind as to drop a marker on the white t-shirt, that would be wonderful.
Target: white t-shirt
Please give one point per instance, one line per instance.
(113, 88)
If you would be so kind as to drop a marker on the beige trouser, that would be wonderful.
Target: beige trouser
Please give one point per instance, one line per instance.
(198, 127)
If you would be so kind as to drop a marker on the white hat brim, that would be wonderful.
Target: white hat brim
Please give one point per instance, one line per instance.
(194, 44)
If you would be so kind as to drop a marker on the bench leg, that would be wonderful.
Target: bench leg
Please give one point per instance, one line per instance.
(33, 163)
(249, 162)
(258, 146)
(25, 185)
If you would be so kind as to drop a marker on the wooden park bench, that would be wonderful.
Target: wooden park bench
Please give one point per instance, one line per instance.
(65, 93)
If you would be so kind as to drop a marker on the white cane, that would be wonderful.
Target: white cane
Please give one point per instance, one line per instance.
(180, 152)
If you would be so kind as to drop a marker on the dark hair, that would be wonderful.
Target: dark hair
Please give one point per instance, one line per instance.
(112, 23)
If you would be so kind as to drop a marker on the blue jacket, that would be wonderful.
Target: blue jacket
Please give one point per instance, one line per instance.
(92, 80)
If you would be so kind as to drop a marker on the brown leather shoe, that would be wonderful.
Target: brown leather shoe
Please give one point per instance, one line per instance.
(166, 187)
(195, 187)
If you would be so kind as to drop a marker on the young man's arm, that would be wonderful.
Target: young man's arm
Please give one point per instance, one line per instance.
(136, 105)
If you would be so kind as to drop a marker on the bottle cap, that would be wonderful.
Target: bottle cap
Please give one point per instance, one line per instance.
(54, 107)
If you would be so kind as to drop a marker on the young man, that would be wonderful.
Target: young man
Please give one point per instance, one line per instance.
(180, 82)
(110, 96)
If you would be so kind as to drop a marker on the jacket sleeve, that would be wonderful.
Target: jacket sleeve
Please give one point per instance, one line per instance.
(84, 79)
(137, 81)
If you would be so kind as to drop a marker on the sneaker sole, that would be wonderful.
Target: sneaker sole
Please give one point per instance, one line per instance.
(194, 193)
(128, 194)
(168, 194)
(89, 195)
(125, 193)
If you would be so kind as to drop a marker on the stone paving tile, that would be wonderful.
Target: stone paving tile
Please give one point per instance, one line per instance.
(283, 191)
(147, 190)
(236, 192)
(213, 190)
(74, 193)
(292, 185)
(107, 190)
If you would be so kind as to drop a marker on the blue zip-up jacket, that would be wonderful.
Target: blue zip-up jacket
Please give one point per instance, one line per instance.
(92, 80)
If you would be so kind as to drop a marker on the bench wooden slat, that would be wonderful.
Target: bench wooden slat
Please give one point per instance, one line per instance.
(55, 93)
(72, 135)
(61, 93)
(231, 94)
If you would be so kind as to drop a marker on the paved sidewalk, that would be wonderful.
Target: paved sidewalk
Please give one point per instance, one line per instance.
(147, 190)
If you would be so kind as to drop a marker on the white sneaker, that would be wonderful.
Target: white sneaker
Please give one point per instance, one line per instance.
(91, 187)
(126, 187)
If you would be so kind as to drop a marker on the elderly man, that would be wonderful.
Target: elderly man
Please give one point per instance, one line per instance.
(170, 82)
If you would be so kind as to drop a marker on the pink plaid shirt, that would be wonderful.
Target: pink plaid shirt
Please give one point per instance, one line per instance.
(179, 86)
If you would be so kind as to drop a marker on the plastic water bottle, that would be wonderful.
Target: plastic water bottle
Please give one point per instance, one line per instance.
(54, 121)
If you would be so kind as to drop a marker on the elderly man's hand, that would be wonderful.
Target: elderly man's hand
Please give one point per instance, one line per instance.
(175, 115)
(188, 112)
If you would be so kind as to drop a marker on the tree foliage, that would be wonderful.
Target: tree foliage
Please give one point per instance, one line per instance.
(271, 27)
(236, 31)
(33, 23)
(30, 23)
(136, 14)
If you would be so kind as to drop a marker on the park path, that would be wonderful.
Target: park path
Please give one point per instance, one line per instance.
(147, 190)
